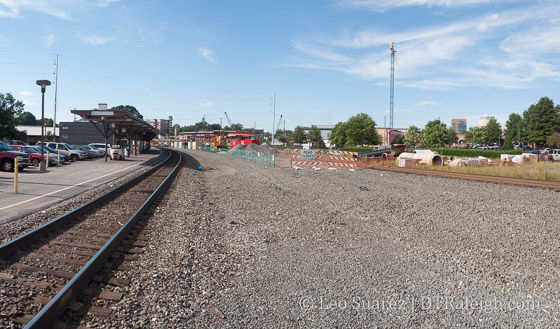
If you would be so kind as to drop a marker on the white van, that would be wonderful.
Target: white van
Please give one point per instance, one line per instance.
(555, 154)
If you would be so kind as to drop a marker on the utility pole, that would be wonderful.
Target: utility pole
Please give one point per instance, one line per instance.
(273, 117)
(393, 52)
(385, 125)
(55, 93)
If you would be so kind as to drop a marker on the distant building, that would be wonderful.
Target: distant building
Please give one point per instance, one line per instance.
(484, 119)
(34, 133)
(388, 135)
(162, 125)
(459, 125)
(82, 133)
(325, 131)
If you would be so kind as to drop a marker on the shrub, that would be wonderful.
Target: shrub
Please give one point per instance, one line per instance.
(474, 153)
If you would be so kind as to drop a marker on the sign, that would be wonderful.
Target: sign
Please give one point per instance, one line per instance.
(307, 154)
(102, 113)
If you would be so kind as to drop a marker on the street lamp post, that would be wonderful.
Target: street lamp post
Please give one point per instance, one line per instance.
(43, 84)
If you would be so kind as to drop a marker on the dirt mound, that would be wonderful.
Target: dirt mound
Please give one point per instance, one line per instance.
(238, 147)
(260, 148)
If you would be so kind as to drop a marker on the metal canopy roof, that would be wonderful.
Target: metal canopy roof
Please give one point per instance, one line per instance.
(121, 118)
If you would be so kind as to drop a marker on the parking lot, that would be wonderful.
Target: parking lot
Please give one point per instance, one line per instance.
(39, 189)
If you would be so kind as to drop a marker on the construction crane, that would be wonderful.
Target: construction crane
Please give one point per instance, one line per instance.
(204, 123)
(228, 120)
(393, 52)
(279, 123)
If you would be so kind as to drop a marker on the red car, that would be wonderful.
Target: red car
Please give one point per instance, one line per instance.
(8, 156)
(34, 156)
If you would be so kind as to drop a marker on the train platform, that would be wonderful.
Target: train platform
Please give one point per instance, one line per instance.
(38, 190)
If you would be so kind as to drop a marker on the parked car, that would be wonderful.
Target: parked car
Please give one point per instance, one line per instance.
(117, 153)
(72, 153)
(54, 153)
(97, 153)
(8, 156)
(16, 142)
(100, 146)
(87, 153)
(34, 154)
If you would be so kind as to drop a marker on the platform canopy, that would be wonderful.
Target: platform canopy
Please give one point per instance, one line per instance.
(121, 120)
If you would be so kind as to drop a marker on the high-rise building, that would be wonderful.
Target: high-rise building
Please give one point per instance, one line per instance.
(162, 125)
(483, 120)
(459, 125)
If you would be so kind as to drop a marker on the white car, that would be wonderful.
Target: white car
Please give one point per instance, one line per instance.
(100, 146)
(116, 153)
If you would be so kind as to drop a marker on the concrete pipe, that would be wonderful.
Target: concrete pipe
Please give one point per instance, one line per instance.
(430, 159)
(426, 157)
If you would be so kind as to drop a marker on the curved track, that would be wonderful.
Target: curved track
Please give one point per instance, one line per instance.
(554, 185)
(53, 264)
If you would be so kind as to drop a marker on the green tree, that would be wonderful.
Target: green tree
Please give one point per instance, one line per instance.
(553, 140)
(10, 112)
(314, 136)
(513, 130)
(493, 132)
(214, 126)
(299, 135)
(28, 119)
(236, 126)
(477, 135)
(48, 122)
(542, 119)
(413, 136)
(130, 109)
(360, 129)
(337, 135)
(435, 134)
(284, 139)
(398, 140)
(452, 136)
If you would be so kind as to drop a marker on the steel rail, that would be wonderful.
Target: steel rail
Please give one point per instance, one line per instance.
(527, 182)
(58, 304)
(9, 247)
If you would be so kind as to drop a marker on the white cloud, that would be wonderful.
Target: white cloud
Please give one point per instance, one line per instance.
(94, 39)
(429, 103)
(26, 93)
(207, 53)
(382, 5)
(105, 3)
(58, 8)
(207, 104)
(509, 49)
(49, 40)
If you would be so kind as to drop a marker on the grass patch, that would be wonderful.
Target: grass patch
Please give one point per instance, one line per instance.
(474, 153)
(538, 170)
(357, 149)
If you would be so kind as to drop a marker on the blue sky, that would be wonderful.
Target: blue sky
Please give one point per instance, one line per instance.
(325, 60)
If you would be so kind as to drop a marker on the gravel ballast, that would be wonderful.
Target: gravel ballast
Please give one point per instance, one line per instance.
(241, 245)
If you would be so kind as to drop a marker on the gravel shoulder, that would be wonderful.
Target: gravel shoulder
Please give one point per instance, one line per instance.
(241, 245)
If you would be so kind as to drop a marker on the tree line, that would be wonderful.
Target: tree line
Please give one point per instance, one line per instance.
(539, 125)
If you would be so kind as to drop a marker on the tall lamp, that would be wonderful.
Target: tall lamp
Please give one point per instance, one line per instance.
(43, 84)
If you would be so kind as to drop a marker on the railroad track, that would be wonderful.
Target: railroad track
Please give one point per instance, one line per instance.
(53, 269)
(529, 182)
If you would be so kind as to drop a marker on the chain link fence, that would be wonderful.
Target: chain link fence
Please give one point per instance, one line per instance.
(258, 157)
